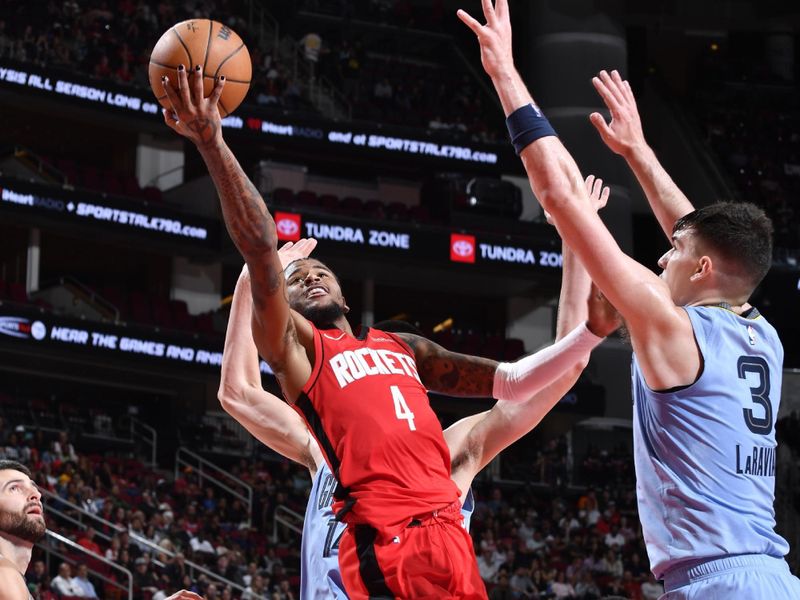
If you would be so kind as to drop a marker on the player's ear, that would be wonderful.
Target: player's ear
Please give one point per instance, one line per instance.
(703, 270)
(345, 308)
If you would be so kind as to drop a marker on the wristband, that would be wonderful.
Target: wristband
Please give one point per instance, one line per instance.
(526, 125)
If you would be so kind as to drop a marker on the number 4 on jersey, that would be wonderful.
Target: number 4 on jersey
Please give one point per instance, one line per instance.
(401, 408)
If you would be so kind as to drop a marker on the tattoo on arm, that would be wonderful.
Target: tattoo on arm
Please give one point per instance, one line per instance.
(450, 372)
(246, 216)
(205, 129)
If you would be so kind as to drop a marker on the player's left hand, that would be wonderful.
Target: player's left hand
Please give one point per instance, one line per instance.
(292, 251)
(494, 37)
(603, 317)
(623, 134)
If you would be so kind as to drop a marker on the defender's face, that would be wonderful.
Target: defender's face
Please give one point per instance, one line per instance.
(679, 264)
(21, 511)
(312, 287)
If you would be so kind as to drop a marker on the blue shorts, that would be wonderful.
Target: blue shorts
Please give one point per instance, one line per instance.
(747, 576)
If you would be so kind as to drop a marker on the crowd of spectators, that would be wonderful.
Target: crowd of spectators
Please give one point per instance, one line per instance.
(752, 121)
(537, 539)
(113, 40)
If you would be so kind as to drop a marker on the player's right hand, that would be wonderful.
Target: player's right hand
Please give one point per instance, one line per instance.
(623, 134)
(603, 318)
(192, 115)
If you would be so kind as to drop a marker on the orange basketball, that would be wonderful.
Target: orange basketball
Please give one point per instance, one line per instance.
(210, 44)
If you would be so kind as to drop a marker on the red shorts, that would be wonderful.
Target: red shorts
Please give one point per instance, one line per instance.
(432, 558)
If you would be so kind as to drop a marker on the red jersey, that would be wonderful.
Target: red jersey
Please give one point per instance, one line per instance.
(370, 414)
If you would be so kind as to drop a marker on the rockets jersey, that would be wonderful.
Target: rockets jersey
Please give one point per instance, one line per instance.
(369, 412)
(320, 577)
(705, 454)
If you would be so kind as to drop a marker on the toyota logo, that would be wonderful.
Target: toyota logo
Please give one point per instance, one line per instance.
(287, 227)
(463, 248)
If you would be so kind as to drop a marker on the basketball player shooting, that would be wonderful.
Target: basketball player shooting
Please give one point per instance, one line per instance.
(706, 369)
(364, 398)
(472, 442)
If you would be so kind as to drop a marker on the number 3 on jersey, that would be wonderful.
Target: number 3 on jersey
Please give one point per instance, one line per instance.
(401, 409)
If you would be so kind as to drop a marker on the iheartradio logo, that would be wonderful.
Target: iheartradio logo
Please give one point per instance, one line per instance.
(462, 248)
(288, 226)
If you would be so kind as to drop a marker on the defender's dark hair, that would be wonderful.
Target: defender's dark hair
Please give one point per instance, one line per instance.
(12, 465)
(740, 231)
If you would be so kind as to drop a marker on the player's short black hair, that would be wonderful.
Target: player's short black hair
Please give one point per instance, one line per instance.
(12, 465)
(297, 260)
(395, 326)
(740, 231)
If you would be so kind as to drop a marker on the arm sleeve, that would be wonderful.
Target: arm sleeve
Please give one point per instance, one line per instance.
(520, 380)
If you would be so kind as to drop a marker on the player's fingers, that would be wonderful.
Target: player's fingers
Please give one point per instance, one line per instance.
(286, 246)
(197, 85)
(589, 181)
(597, 188)
(608, 98)
(469, 22)
(172, 94)
(501, 8)
(604, 196)
(600, 124)
(629, 93)
(620, 86)
(488, 11)
(307, 247)
(612, 87)
(217, 91)
(170, 118)
(183, 86)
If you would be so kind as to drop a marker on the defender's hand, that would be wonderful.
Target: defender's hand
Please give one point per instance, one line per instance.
(603, 317)
(192, 115)
(598, 194)
(292, 251)
(494, 37)
(623, 134)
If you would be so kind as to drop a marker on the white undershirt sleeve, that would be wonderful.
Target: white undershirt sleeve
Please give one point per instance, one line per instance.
(520, 380)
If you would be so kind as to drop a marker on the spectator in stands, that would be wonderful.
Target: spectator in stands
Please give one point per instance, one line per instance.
(488, 565)
(586, 588)
(258, 587)
(36, 575)
(614, 539)
(87, 541)
(81, 583)
(651, 589)
(63, 583)
(63, 449)
(144, 579)
(502, 591)
(522, 584)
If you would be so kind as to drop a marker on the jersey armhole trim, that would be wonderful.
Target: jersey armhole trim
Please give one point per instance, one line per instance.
(319, 360)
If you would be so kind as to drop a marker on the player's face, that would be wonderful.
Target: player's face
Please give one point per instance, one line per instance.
(314, 292)
(679, 264)
(21, 511)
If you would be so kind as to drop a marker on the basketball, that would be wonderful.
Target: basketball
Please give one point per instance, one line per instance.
(214, 46)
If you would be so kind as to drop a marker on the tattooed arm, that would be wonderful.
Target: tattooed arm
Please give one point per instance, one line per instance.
(275, 326)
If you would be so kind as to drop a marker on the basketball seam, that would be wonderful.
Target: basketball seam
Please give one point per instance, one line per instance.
(229, 80)
(227, 58)
(185, 47)
(162, 65)
(208, 44)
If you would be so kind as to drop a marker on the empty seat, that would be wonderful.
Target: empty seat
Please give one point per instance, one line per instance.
(283, 195)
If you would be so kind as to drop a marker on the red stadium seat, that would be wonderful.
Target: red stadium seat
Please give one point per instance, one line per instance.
(283, 196)
(17, 293)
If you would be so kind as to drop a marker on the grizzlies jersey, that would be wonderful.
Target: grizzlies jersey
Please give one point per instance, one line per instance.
(319, 572)
(369, 412)
(705, 454)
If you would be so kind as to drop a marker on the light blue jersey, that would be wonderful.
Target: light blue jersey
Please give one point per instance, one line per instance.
(705, 454)
(319, 570)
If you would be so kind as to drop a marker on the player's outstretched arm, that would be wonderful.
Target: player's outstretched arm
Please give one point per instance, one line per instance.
(247, 219)
(624, 136)
(476, 440)
(268, 418)
(660, 332)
